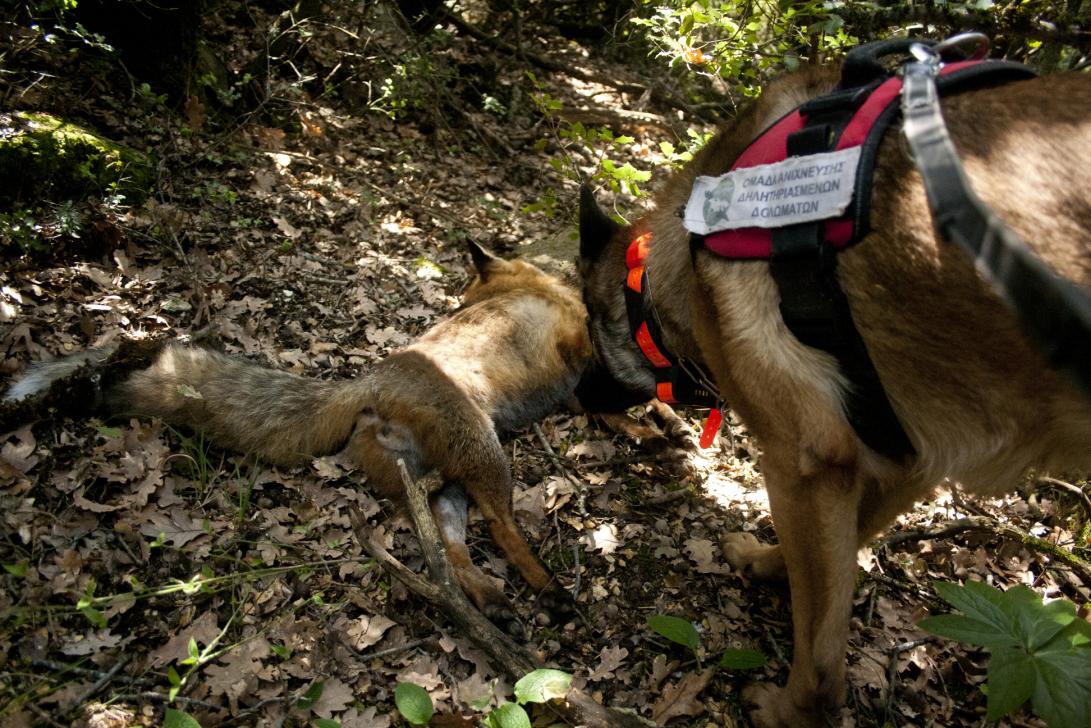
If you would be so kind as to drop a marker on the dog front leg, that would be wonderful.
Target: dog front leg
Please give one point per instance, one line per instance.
(815, 518)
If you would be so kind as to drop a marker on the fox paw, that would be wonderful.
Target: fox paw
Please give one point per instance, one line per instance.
(752, 557)
(556, 606)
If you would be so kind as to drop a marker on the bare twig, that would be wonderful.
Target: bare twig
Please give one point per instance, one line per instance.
(1068, 488)
(411, 645)
(319, 278)
(43, 716)
(892, 667)
(978, 523)
(100, 683)
(645, 459)
(161, 698)
(945, 530)
(581, 498)
(72, 669)
(581, 495)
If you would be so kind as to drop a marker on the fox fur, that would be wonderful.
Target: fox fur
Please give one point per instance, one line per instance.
(512, 354)
(978, 400)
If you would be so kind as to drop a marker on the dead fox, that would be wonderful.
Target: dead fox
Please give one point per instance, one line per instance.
(515, 352)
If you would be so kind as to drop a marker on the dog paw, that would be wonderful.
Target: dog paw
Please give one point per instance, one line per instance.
(753, 558)
(772, 707)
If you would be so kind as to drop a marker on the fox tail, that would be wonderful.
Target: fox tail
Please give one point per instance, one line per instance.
(283, 418)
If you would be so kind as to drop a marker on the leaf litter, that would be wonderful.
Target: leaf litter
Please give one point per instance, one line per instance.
(320, 253)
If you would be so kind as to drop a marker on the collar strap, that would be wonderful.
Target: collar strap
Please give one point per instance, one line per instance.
(677, 380)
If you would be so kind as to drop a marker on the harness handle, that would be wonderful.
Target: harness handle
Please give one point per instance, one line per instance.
(862, 64)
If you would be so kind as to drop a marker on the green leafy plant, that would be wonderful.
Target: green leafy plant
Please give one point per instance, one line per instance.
(538, 686)
(541, 686)
(414, 703)
(177, 719)
(740, 659)
(677, 630)
(87, 605)
(307, 701)
(197, 657)
(1038, 651)
(508, 715)
(683, 632)
(312, 695)
(600, 150)
(415, 83)
(741, 41)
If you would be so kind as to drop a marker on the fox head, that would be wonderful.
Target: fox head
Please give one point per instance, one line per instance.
(496, 275)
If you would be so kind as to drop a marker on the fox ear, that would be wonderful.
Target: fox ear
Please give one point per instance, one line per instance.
(596, 227)
(485, 262)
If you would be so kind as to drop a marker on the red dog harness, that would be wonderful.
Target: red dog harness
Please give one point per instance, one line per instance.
(802, 256)
(873, 108)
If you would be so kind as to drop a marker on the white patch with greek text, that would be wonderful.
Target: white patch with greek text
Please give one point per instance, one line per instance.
(799, 189)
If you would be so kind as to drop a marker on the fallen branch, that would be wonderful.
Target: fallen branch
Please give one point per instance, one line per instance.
(1075, 490)
(892, 668)
(989, 525)
(443, 590)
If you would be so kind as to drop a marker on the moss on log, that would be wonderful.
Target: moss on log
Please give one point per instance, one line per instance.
(45, 158)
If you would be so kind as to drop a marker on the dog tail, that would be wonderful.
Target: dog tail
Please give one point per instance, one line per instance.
(283, 418)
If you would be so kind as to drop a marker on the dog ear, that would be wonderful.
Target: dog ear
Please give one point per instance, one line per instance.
(485, 262)
(596, 227)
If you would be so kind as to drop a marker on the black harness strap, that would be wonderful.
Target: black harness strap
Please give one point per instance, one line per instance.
(804, 266)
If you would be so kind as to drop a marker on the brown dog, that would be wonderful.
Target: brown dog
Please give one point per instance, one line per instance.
(976, 398)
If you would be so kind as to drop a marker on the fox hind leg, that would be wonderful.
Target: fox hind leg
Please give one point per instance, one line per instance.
(450, 508)
(486, 476)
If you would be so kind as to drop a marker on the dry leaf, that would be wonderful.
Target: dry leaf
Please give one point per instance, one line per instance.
(680, 699)
(336, 696)
(366, 718)
(203, 629)
(610, 659)
(366, 631)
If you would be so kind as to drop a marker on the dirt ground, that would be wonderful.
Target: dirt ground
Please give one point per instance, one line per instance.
(317, 247)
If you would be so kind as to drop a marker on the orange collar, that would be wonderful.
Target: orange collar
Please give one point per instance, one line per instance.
(677, 380)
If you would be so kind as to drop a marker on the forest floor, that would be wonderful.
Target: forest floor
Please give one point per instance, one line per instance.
(317, 247)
